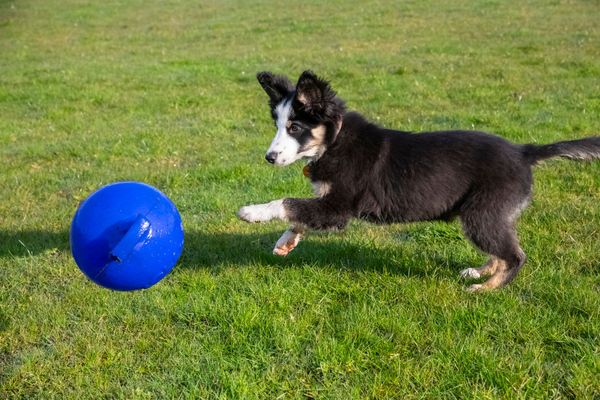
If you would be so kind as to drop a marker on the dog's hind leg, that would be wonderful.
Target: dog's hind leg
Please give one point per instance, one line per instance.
(489, 268)
(497, 279)
(496, 236)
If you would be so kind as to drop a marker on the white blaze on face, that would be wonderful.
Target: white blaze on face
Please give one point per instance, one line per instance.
(284, 146)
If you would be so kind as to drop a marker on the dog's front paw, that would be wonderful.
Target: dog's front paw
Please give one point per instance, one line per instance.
(287, 242)
(250, 213)
(262, 212)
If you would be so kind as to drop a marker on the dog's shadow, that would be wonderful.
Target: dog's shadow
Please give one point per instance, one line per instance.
(218, 250)
(215, 251)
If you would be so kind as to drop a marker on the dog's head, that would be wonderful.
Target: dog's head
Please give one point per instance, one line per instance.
(308, 116)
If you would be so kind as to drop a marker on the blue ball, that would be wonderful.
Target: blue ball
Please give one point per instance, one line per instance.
(126, 236)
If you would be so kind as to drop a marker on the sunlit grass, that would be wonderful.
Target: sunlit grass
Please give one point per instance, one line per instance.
(165, 93)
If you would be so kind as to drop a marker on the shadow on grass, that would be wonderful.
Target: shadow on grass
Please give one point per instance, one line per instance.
(31, 242)
(218, 250)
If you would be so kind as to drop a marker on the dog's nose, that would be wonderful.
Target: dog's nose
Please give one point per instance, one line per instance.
(271, 157)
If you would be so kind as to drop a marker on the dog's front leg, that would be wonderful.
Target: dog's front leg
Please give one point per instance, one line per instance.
(288, 241)
(321, 213)
(274, 210)
(263, 212)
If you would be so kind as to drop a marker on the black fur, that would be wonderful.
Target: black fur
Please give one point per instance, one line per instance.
(582, 149)
(388, 176)
(276, 86)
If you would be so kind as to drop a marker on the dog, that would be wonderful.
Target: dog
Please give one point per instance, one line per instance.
(361, 170)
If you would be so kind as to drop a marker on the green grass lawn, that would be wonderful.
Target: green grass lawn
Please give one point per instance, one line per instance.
(164, 92)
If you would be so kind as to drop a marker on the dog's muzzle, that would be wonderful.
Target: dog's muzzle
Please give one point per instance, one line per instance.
(271, 157)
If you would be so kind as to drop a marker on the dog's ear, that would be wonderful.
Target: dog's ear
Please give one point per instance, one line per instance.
(314, 93)
(276, 86)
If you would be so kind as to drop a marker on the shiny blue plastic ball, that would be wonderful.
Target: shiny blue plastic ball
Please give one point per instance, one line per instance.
(126, 236)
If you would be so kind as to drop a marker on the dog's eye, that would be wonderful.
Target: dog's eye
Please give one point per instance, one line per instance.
(295, 129)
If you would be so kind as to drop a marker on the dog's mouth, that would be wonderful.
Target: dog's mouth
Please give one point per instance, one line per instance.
(312, 152)
(282, 162)
(276, 159)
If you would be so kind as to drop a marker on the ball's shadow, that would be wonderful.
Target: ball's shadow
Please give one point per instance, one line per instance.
(31, 242)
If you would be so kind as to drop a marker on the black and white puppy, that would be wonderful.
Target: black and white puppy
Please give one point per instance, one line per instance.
(360, 170)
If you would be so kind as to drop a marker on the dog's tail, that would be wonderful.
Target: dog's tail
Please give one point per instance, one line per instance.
(581, 149)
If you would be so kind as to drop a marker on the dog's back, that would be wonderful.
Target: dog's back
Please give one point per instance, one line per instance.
(394, 176)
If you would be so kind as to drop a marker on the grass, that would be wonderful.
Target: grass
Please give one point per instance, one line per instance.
(164, 92)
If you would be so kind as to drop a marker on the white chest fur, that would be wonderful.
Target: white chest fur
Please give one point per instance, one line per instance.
(321, 188)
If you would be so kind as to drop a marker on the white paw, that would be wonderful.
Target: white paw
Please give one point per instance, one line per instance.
(253, 213)
(262, 212)
(475, 288)
(470, 273)
(286, 243)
